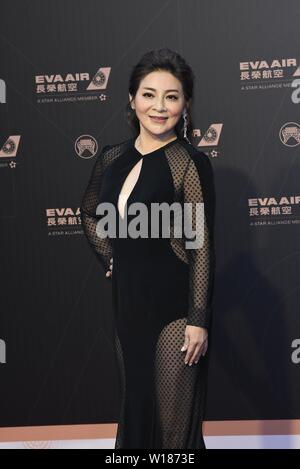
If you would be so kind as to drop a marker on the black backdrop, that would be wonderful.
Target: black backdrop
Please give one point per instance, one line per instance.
(56, 312)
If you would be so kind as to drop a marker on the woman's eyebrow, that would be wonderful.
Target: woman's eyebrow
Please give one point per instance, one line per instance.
(153, 89)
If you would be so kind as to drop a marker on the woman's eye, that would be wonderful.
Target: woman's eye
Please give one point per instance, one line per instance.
(174, 98)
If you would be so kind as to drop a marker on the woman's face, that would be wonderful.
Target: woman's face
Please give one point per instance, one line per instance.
(160, 94)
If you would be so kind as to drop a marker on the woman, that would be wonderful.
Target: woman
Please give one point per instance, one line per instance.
(161, 289)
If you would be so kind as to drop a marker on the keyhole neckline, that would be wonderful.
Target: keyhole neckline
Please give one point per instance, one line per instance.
(166, 145)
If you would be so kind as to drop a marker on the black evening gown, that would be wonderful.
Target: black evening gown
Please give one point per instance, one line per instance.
(158, 287)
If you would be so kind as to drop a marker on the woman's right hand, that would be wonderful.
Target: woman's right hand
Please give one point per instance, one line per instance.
(109, 272)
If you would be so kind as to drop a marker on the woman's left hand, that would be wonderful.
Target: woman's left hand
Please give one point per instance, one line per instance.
(196, 343)
(110, 271)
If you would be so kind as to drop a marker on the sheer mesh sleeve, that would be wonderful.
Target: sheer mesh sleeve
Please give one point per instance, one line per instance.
(101, 246)
(198, 187)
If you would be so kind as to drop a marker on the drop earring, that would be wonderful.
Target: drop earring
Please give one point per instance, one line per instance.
(185, 125)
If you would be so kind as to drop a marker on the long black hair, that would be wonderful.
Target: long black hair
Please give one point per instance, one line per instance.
(170, 61)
